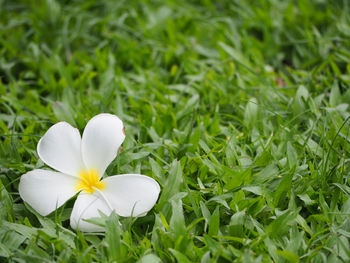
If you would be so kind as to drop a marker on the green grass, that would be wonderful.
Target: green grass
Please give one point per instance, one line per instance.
(239, 109)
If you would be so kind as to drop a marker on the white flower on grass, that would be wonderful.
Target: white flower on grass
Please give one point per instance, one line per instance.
(80, 163)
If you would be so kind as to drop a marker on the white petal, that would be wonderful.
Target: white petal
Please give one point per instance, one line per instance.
(102, 138)
(60, 148)
(45, 190)
(87, 206)
(131, 194)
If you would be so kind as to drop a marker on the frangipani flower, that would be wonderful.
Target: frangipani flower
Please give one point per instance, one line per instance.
(80, 163)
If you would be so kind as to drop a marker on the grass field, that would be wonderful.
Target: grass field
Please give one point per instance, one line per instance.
(239, 109)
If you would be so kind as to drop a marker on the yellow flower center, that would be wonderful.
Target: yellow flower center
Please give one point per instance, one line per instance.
(89, 181)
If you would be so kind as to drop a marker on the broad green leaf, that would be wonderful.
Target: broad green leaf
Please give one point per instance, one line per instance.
(289, 256)
(292, 156)
(172, 185)
(214, 222)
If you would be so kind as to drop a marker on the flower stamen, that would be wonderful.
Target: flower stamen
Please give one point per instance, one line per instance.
(89, 181)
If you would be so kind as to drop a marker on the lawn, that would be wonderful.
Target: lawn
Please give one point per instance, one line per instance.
(238, 109)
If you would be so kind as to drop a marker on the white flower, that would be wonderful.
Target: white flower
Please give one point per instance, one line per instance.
(81, 162)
